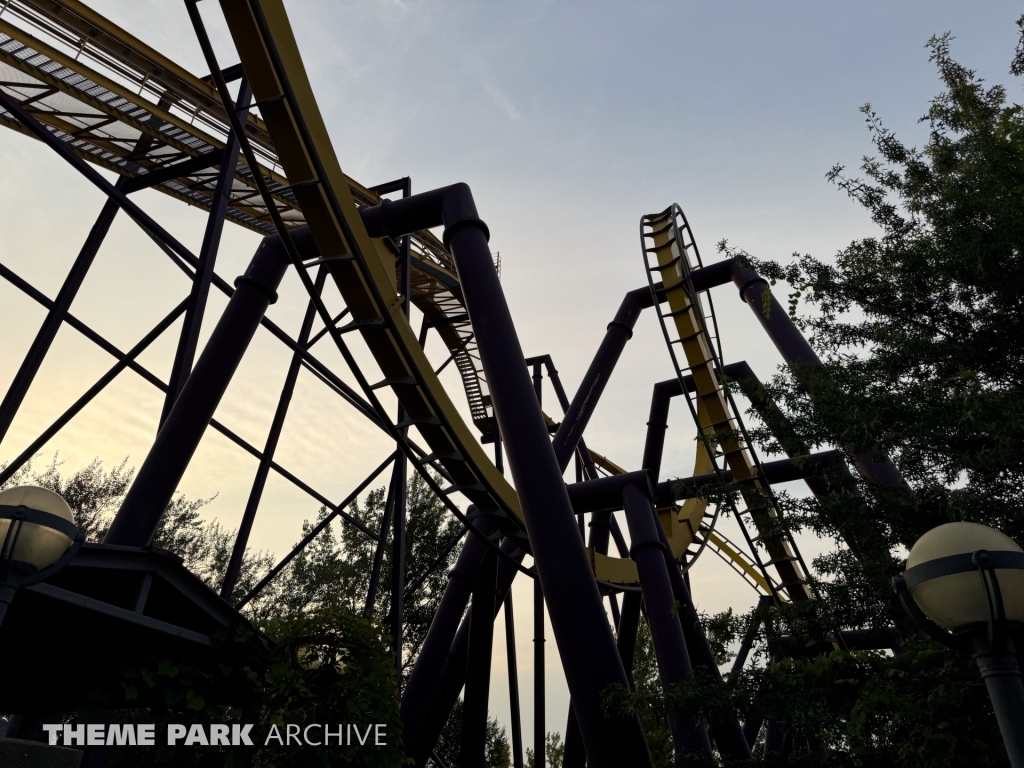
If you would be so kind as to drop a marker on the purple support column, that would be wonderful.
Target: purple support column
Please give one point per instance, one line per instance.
(666, 631)
(755, 291)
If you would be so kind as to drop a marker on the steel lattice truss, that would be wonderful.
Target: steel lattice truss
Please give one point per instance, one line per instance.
(99, 97)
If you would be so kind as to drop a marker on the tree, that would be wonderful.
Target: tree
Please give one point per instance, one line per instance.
(316, 603)
(497, 753)
(918, 328)
(554, 751)
(332, 572)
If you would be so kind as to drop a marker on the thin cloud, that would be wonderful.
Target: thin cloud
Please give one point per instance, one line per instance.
(501, 101)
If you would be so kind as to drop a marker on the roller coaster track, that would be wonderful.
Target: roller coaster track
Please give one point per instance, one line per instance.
(121, 105)
(114, 90)
(691, 530)
(689, 326)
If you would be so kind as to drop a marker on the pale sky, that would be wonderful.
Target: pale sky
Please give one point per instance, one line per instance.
(569, 121)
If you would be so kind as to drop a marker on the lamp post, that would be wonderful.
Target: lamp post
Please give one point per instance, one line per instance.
(964, 586)
(37, 538)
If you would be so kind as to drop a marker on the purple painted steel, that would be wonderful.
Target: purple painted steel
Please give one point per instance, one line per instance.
(426, 674)
(586, 645)
(674, 667)
(178, 439)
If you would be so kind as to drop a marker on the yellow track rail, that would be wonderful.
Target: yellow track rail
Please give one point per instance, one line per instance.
(671, 245)
(121, 105)
(362, 267)
(132, 92)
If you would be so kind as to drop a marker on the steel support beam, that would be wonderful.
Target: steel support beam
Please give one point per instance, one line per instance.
(44, 338)
(176, 442)
(442, 556)
(398, 545)
(151, 378)
(807, 468)
(178, 253)
(513, 683)
(573, 756)
(666, 632)
(599, 521)
(426, 674)
(478, 667)
(865, 543)
(606, 492)
(124, 361)
(269, 448)
(657, 424)
(540, 724)
(453, 673)
(783, 333)
(178, 170)
(577, 416)
(800, 466)
(185, 353)
(570, 591)
(336, 512)
(55, 317)
(728, 733)
(629, 625)
(588, 649)
(378, 553)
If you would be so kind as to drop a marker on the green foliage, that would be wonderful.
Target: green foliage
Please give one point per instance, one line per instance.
(918, 328)
(497, 752)
(722, 630)
(326, 666)
(95, 494)
(334, 570)
(923, 706)
(554, 752)
(647, 700)
(311, 611)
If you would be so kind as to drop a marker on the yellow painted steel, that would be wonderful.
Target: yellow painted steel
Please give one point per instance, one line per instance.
(719, 427)
(735, 556)
(110, 114)
(681, 528)
(182, 144)
(107, 38)
(272, 63)
(367, 284)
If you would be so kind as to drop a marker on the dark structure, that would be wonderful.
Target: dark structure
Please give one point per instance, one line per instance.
(275, 173)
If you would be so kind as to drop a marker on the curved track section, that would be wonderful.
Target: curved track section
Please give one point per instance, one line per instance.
(690, 529)
(122, 105)
(362, 267)
(687, 321)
